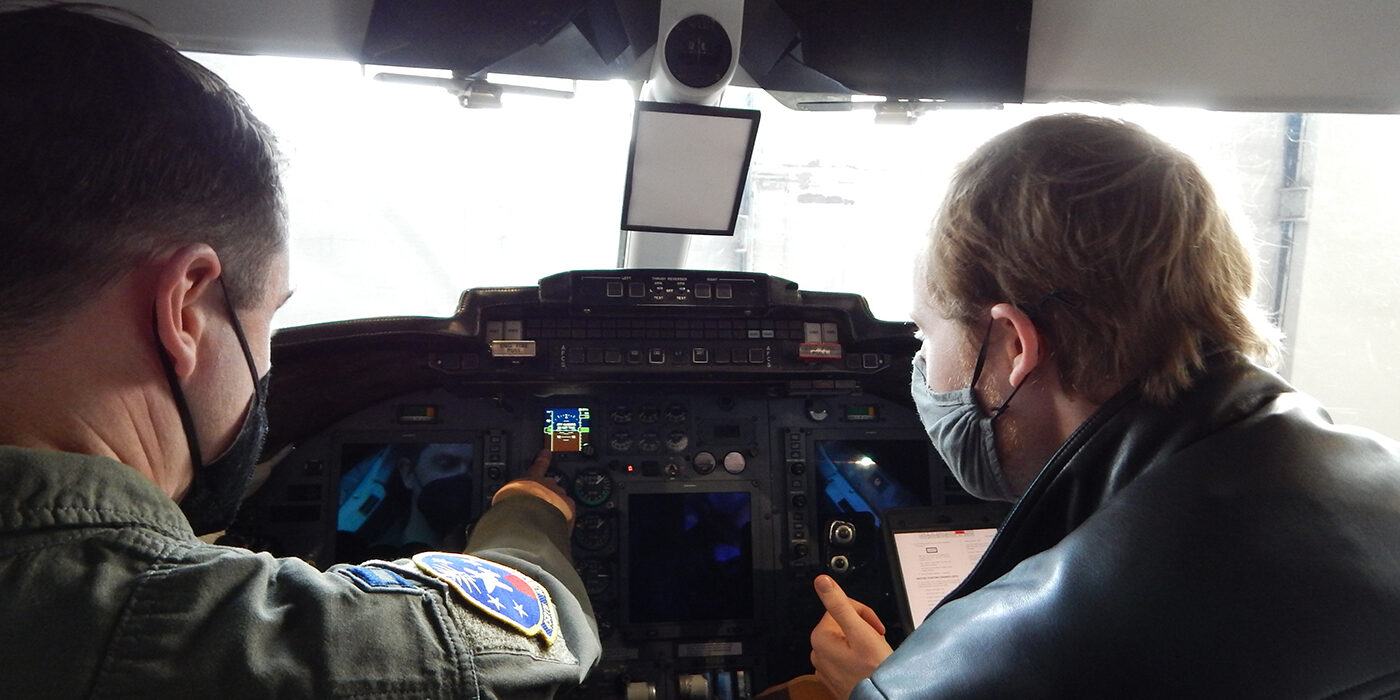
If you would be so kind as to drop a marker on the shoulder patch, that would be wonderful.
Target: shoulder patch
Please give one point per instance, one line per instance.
(376, 580)
(501, 592)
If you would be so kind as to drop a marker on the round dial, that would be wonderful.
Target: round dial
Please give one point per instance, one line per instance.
(559, 477)
(677, 441)
(621, 441)
(593, 531)
(597, 576)
(704, 462)
(735, 462)
(593, 487)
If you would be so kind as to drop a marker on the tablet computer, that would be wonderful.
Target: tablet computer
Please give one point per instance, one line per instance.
(932, 549)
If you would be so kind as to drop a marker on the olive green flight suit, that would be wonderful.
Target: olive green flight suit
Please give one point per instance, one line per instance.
(106, 592)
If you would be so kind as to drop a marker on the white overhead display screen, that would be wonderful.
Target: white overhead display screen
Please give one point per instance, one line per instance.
(687, 168)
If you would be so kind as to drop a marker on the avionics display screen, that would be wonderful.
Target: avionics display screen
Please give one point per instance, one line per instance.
(870, 476)
(566, 429)
(691, 557)
(400, 498)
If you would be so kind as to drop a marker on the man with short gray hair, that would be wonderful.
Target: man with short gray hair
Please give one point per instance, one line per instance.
(143, 253)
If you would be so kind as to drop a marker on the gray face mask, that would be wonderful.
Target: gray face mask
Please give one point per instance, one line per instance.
(962, 434)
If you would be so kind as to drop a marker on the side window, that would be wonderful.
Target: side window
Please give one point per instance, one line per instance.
(1342, 313)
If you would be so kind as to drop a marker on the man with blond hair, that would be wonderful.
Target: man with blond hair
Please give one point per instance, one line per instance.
(1186, 523)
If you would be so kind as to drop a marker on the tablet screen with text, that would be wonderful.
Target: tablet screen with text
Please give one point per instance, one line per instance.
(933, 563)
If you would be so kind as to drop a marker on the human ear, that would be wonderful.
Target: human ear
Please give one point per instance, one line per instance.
(184, 290)
(1021, 345)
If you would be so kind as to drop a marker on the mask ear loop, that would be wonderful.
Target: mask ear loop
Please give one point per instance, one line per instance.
(1055, 295)
(181, 405)
(977, 373)
(982, 354)
(238, 332)
(996, 412)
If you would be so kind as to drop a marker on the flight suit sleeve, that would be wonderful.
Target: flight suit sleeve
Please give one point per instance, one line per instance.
(270, 627)
(531, 536)
(277, 627)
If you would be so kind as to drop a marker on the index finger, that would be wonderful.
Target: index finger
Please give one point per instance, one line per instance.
(840, 607)
(537, 468)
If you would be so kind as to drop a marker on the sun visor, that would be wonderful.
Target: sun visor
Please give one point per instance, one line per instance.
(951, 50)
(470, 36)
(933, 49)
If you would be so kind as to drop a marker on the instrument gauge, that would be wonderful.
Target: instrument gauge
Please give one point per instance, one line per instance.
(593, 531)
(593, 487)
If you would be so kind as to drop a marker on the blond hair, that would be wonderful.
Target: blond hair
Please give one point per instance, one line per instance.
(1111, 241)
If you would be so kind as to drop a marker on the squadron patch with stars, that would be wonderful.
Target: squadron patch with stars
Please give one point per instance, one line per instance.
(501, 592)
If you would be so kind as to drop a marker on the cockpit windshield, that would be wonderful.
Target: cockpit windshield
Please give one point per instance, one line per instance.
(400, 199)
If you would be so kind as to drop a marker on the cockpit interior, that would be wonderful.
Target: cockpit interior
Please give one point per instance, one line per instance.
(697, 295)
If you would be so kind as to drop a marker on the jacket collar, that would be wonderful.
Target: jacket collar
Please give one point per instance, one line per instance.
(45, 488)
(1125, 438)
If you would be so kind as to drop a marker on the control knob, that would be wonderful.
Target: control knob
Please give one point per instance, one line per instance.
(641, 690)
(704, 462)
(841, 532)
(735, 462)
(694, 686)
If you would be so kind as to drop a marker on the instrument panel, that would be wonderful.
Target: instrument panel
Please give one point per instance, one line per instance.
(709, 492)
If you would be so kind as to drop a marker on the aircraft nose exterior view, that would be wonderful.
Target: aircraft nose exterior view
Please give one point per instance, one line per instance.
(700, 349)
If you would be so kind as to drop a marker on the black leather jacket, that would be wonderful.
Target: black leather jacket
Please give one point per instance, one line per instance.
(1235, 544)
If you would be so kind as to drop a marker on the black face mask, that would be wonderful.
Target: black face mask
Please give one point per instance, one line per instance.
(443, 502)
(217, 488)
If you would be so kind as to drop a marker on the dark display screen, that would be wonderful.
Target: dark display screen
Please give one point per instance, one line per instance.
(869, 476)
(691, 557)
(400, 498)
